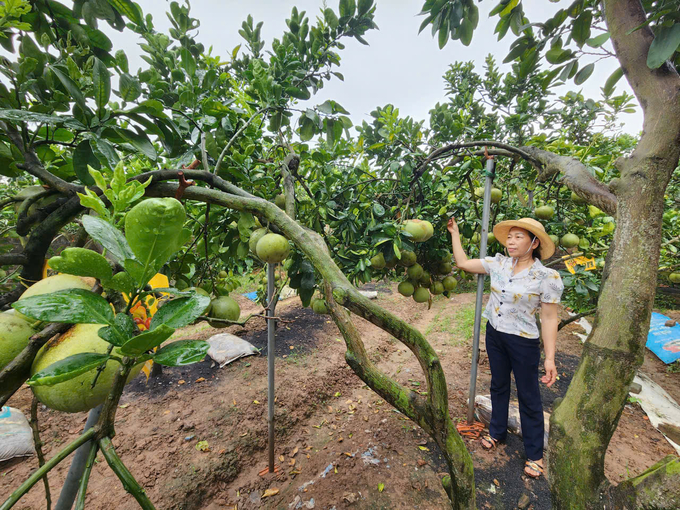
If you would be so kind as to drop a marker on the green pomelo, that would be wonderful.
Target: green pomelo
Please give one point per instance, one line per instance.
(406, 289)
(429, 229)
(76, 395)
(222, 274)
(414, 272)
(224, 307)
(255, 238)
(437, 288)
(555, 239)
(319, 306)
(449, 283)
(674, 277)
(408, 258)
(378, 261)
(421, 295)
(569, 240)
(476, 238)
(15, 333)
(444, 268)
(479, 192)
(181, 284)
(544, 212)
(496, 195)
(280, 201)
(53, 284)
(272, 248)
(424, 279)
(417, 229)
(490, 238)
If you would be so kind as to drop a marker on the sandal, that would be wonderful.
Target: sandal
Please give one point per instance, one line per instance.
(532, 465)
(490, 444)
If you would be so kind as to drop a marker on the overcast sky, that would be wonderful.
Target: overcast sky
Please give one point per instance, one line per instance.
(399, 67)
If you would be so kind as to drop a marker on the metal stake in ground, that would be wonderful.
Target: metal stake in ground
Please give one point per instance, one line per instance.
(490, 167)
(270, 359)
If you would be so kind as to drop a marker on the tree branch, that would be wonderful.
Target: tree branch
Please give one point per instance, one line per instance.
(129, 483)
(13, 259)
(38, 449)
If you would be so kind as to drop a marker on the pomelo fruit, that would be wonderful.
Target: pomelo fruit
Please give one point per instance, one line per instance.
(496, 195)
(419, 229)
(54, 284)
(555, 239)
(479, 192)
(414, 272)
(674, 277)
(378, 261)
(75, 395)
(15, 333)
(476, 238)
(224, 307)
(569, 240)
(272, 248)
(437, 288)
(444, 268)
(545, 212)
(490, 238)
(408, 258)
(406, 289)
(421, 295)
(280, 201)
(255, 237)
(425, 279)
(449, 283)
(222, 274)
(319, 306)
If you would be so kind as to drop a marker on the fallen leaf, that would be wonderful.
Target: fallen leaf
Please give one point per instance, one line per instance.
(200, 379)
(292, 462)
(337, 394)
(281, 458)
(255, 402)
(270, 492)
(330, 409)
(234, 401)
(424, 448)
(181, 381)
(422, 462)
(244, 434)
(496, 482)
(339, 440)
(294, 452)
(124, 405)
(381, 487)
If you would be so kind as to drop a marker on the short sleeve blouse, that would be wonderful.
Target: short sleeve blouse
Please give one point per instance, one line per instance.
(515, 299)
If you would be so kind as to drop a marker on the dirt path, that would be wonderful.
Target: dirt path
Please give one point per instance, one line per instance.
(338, 444)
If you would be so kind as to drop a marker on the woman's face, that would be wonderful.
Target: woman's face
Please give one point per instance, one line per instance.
(518, 242)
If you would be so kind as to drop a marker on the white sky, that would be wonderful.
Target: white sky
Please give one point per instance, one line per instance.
(399, 67)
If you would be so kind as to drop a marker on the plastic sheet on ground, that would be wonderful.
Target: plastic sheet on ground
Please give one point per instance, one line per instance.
(662, 340)
(483, 404)
(16, 435)
(225, 348)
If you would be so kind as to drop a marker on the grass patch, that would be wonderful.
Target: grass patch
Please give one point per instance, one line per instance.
(464, 322)
(459, 326)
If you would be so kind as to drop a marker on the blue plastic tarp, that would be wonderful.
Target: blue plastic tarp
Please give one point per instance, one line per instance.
(662, 340)
(252, 296)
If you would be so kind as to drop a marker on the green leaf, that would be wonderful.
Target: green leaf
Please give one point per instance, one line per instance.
(584, 74)
(465, 31)
(330, 17)
(612, 80)
(67, 368)
(128, 9)
(139, 273)
(71, 87)
(188, 62)
(598, 41)
(180, 311)
(580, 31)
(92, 201)
(381, 487)
(109, 237)
(307, 130)
(147, 340)
(298, 93)
(140, 142)
(182, 352)
(82, 262)
(364, 6)
(41, 118)
(664, 45)
(121, 282)
(152, 228)
(558, 55)
(123, 328)
(82, 158)
(70, 306)
(101, 81)
(129, 87)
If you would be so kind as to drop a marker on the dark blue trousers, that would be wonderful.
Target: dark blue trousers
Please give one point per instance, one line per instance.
(512, 353)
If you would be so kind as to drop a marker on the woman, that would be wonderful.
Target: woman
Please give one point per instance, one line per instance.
(520, 285)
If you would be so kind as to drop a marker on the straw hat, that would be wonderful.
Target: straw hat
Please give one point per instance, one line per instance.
(501, 230)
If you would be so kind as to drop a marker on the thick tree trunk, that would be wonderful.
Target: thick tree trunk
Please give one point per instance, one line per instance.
(584, 422)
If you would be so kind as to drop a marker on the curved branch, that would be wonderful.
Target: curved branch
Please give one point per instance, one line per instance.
(13, 259)
(575, 176)
(236, 135)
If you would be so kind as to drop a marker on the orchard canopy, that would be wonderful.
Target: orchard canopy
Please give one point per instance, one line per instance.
(207, 162)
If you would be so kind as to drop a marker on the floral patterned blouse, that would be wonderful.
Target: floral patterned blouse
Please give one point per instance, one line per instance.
(515, 299)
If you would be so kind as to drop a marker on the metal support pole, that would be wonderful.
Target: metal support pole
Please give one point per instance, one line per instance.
(270, 360)
(69, 490)
(490, 165)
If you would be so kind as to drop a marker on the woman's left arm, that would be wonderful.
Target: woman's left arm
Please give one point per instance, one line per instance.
(549, 321)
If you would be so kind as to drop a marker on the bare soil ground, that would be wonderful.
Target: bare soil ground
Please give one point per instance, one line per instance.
(338, 445)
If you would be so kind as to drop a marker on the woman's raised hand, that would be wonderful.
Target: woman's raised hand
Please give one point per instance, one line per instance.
(452, 226)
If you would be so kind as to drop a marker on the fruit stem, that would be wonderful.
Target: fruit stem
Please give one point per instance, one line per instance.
(42, 471)
(129, 483)
(84, 480)
(38, 449)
